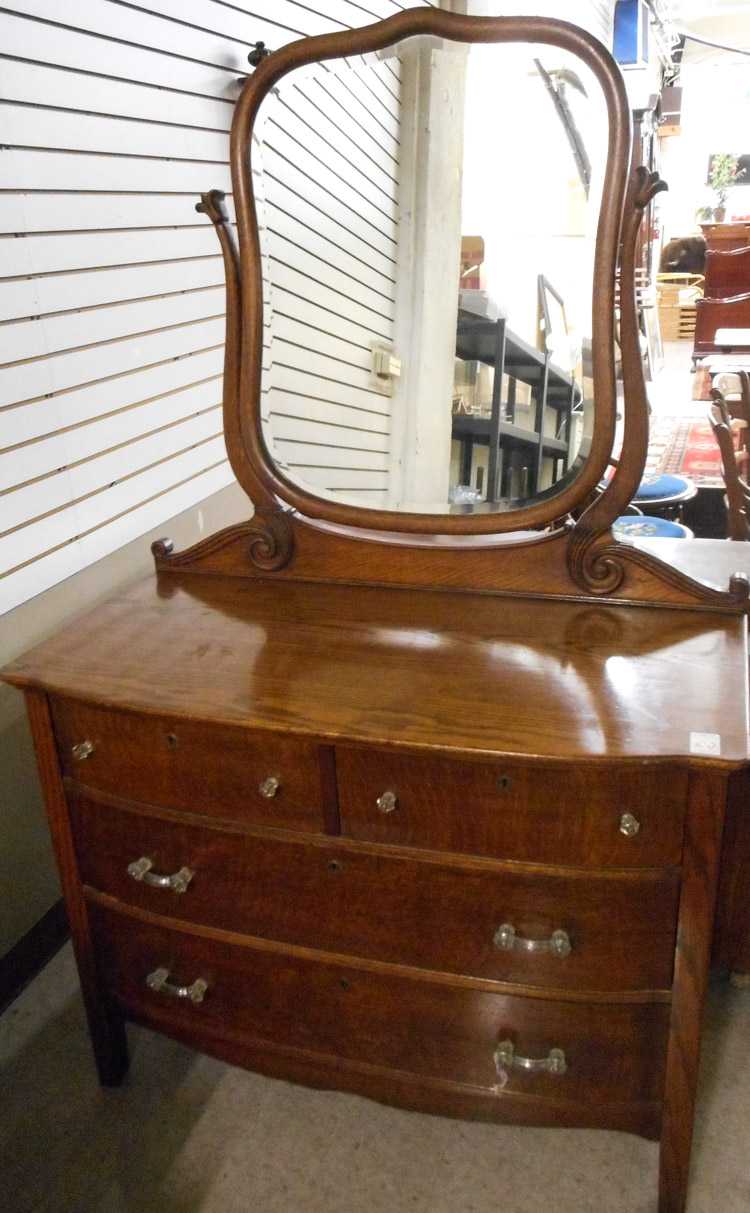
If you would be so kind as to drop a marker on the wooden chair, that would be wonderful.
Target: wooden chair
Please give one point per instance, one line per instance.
(714, 314)
(737, 488)
(727, 273)
(737, 403)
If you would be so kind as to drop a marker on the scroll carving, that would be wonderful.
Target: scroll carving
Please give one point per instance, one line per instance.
(266, 540)
(271, 539)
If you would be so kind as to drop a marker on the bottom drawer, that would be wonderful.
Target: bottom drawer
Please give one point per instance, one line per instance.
(436, 1029)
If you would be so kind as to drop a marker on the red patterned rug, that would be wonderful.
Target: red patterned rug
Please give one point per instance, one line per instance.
(685, 446)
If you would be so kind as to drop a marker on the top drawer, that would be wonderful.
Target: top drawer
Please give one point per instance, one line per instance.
(579, 815)
(201, 767)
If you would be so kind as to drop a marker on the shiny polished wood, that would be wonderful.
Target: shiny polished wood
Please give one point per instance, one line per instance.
(199, 766)
(536, 564)
(410, 1023)
(416, 682)
(465, 674)
(323, 893)
(519, 811)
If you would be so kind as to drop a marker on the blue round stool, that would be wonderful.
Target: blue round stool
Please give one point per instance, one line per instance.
(664, 495)
(627, 527)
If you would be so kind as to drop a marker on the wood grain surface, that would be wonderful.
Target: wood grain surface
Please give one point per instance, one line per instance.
(402, 1022)
(467, 674)
(514, 810)
(201, 767)
(403, 907)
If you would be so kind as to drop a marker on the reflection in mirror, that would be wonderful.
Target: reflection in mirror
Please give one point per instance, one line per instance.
(428, 222)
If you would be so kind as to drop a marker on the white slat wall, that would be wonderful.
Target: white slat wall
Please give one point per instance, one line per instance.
(329, 148)
(113, 117)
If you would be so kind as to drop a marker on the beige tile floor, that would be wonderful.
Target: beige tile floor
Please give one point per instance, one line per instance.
(187, 1134)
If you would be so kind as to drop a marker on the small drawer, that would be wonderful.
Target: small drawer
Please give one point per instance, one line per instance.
(512, 924)
(198, 766)
(587, 816)
(597, 1053)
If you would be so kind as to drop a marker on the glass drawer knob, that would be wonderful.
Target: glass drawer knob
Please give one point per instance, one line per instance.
(629, 825)
(83, 750)
(159, 982)
(387, 802)
(270, 786)
(506, 1058)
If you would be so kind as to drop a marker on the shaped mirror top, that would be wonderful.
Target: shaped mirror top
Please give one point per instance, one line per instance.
(428, 219)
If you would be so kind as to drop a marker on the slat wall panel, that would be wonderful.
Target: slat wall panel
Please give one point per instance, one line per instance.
(24, 297)
(47, 416)
(326, 161)
(115, 116)
(59, 372)
(87, 441)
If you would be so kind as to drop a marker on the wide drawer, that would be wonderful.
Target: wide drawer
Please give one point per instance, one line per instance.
(578, 815)
(216, 769)
(465, 916)
(612, 1052)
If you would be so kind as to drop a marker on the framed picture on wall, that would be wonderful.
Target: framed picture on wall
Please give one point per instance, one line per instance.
(743, 168)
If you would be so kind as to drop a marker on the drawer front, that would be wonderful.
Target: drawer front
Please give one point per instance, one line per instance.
(612, 1052)
(193, 765)
(390, 907)
(513, 810)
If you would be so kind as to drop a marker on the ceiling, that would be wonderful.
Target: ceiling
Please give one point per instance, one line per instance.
(723, 21)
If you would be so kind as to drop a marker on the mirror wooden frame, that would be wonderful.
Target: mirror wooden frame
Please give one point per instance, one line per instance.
(571, 551)
(251, 460)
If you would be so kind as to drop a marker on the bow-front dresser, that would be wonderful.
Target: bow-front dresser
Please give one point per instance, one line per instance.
(406, 804)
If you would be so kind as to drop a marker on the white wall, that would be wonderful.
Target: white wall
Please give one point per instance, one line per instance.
(114, 117)
(715, 118)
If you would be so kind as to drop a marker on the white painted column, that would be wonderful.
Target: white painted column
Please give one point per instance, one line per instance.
(431, 162)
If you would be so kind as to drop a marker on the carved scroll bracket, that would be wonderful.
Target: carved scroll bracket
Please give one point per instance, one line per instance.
(265, 541)
(271, 539)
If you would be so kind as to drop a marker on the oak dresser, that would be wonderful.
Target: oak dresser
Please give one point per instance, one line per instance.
(426, 806)
(429, 848)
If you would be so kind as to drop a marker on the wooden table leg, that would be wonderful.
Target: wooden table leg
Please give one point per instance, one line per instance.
(106, 1026)
(702, 849)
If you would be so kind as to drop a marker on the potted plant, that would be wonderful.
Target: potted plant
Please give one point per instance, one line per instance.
(724, 173)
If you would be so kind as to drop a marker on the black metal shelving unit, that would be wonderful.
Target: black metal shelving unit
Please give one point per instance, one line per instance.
(481, 339)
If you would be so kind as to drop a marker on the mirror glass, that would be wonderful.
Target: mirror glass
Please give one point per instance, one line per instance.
(428, 219)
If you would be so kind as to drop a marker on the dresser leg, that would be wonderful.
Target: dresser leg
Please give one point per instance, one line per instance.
(106, 1026)
(108, 1040)
(700, 867)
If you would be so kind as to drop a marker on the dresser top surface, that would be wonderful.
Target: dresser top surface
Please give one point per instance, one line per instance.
(460, 672)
